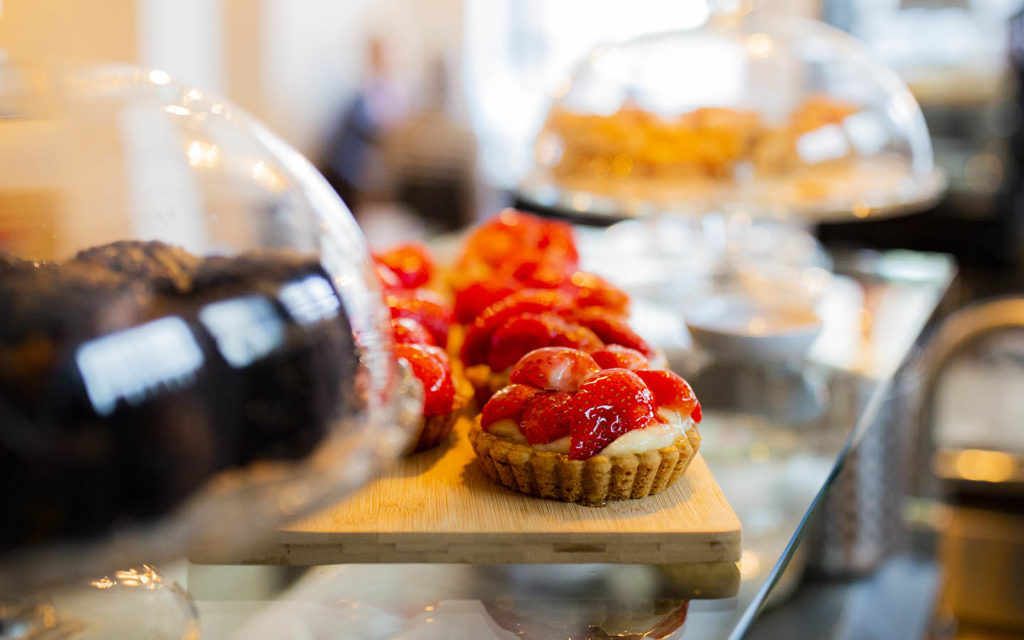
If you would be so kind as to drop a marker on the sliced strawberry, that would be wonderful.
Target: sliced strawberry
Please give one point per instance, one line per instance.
(670, 390)
(507, 404)
(388, 278)
(427, 307)
(410, 331)
(546, 417)
(411, 263)
(520, 335)
(616, 356)
(578, 337)
(540, 273)
(506, 237)
(612, 329)
(439, 392)
(594, 291)
(478, 336)
(557, 241)
(554, 368)
(697, 414)
(498, 239)
(439, 354)
(471, 299)
(606, 406)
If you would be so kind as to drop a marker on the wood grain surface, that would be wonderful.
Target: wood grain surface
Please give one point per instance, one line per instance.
(437, 506)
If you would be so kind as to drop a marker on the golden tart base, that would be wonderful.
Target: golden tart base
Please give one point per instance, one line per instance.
(593, 481)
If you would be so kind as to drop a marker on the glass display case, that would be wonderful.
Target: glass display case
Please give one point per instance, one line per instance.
(779, 437)
(194, 346)
(761, 114)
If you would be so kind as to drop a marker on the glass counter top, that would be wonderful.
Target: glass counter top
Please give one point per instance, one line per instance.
(776, 435)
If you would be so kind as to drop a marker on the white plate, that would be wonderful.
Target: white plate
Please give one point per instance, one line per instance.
(738, 326)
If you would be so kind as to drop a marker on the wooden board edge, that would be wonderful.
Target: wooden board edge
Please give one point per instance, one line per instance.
(477, 549)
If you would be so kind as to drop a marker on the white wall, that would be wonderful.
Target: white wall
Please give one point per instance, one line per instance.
(292, 63)
(185, 38)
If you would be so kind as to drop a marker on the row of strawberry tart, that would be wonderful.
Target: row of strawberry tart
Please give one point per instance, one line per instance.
(574, 406)
(518, 287)
(421, 319)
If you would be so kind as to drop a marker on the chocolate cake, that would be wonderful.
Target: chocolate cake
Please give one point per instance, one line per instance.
(134, 371)
(161, 266)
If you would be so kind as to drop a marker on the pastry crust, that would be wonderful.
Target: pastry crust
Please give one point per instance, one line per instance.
(593, 481)
(485, 382)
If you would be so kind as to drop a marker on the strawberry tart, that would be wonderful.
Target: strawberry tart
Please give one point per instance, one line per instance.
(518, 287)
(535, 318)
(509, 252)
(420, 322)
(443, 399)
(585, 428)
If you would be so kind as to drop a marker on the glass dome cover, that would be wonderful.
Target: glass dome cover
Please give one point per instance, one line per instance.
(194, 346)
(764, 114)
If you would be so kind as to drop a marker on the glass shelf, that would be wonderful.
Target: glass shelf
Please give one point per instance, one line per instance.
(775, 438)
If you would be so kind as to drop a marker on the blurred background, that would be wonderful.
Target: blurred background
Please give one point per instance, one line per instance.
(423, 113)
(423, 116)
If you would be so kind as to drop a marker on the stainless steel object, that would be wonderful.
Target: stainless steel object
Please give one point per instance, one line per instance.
(858, 524)
(969, 440)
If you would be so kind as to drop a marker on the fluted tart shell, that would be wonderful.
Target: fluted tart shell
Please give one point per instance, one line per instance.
(594, 481)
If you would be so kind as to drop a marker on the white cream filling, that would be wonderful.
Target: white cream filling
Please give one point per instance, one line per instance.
(507, 430)
(559, 446)
(652, 438)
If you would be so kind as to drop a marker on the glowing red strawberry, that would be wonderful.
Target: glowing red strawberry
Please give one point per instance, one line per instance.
(520, 335)
(439, 392)
(471, 299)
(554, 368)
(506, 404)
(670, 391)
(478, 336)
(546, 417)
(410, 331)
(426, 307)
(616, 356)
(612, 329)
(411, 263)
(594, 291)
(609, 404)
(577, 337)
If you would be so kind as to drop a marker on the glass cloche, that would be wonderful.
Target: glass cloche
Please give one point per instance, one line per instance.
(193, 344)
(764, 114)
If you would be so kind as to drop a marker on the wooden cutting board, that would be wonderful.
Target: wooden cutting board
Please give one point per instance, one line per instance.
(438, 507)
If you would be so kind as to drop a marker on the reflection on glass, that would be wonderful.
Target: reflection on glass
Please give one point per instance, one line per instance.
(984, 466)
(202, 154)
(246, 329)
(138, 363)
(310, 300)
